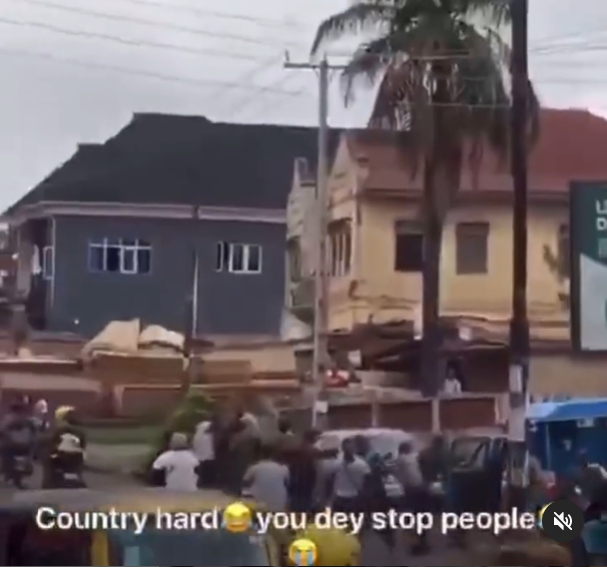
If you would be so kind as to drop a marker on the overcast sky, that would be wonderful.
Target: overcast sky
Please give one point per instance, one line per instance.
(75, 70)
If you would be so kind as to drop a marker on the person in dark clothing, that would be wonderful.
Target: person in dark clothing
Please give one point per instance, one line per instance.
(284, 426)
(18, 435)
(434, 460)
(362, 447)
(302, 465)
(376, 498)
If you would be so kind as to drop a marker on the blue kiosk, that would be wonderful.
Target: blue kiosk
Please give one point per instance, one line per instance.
(557, 431)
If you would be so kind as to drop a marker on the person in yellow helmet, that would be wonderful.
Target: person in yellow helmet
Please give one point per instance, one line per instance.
(334, 546)
(62, 412)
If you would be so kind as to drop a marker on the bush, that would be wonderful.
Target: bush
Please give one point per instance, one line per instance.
(189, 413)
(193, 409)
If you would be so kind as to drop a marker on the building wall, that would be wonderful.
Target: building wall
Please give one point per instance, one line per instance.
(227, 303)
(384, 294)
(345, 206)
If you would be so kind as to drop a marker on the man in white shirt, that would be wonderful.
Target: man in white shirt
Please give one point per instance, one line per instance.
(204, 449)
(350, 474)
(452, 385)
(266, 481)
(179, 465)
(408, 470)
(416, 499)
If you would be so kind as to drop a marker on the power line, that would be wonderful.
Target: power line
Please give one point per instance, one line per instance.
(129, 42)
(224, 54)
(558, 39)
(146, 22)
(246, 103)
(189, 81)
(250, 76)
(222, 15)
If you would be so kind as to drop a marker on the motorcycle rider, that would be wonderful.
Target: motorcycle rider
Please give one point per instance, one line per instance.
(41, 414)
(18, 433)
(66, 447)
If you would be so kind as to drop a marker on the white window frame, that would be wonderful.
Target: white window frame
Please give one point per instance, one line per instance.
(48, 262)
(135, 248)
(246, 254)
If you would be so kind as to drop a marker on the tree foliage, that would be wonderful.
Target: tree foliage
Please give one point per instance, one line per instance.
(418, 47)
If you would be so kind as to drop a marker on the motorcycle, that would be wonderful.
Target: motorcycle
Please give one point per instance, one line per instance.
(65, 474)
(19, 467)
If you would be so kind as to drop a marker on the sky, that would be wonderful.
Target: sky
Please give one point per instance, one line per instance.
(75, 71)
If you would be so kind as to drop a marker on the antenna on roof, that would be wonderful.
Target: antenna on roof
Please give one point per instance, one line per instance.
(287, 56)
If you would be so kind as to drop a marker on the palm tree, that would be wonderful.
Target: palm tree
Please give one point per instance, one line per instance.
(441, 68)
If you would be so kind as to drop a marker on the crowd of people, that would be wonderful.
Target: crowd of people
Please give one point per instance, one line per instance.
(290, 472)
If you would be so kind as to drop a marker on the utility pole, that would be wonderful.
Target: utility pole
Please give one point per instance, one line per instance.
(321, 275)
(519, 323)
(190, 316)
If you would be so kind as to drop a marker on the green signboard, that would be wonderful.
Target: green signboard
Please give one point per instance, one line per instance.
(588, 229)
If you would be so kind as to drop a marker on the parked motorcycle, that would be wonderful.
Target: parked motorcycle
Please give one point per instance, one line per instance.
(66, 472)
(18, 468)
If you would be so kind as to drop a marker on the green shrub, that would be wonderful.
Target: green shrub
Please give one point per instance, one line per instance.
(193, 409)
(189, 413)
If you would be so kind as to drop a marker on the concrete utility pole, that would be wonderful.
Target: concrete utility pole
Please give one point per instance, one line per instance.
(519, 323)
(321, 275)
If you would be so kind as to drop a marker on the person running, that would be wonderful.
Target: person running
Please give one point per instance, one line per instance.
(382, 492)
(348, 479)
(177, 468)
(267, 481)
(204, 449)
(302, 463)
(408, 472)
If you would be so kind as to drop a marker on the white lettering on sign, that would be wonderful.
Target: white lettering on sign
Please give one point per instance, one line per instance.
(601, 209)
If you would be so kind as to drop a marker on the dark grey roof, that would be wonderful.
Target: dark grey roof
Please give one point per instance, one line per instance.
(175, 159)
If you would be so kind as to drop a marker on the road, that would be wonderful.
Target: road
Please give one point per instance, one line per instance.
(93, 479)
(376, 554)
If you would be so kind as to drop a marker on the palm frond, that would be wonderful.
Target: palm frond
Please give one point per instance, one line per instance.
(356, 18)
(367, 63)
(373, 57)
(495, 12)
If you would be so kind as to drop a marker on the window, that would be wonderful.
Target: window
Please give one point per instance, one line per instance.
(122, 256)
(340, 247)
(563, 251)
(409, 246)
(238, 258)
(294, 258)
(47, 262)
(472, 247)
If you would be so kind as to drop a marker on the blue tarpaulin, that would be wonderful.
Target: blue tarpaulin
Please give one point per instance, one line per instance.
(569, 410)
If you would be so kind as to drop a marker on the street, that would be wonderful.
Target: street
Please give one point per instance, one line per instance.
(93, 479)
(375, 553)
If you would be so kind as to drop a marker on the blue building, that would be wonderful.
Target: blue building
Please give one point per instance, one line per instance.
(176, 220)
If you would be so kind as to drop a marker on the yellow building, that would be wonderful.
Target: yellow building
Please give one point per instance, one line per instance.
(375, 239)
